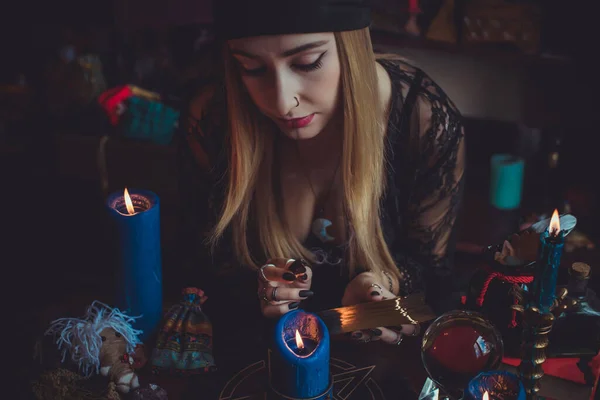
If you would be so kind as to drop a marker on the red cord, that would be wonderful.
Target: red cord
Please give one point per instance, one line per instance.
(515, 280)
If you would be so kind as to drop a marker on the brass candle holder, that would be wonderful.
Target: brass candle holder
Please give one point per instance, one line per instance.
(537, 326)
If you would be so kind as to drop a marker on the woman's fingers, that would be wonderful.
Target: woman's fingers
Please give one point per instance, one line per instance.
(280, 293)
(277, 310)
(411, 329)
(375, 333)
(364, 288)
(390, 336)
(396, 335)
(286, 271)
(367, 335)
(272, 272)
(300, 269)
(376, 292)
(393, 336)
(282, 285)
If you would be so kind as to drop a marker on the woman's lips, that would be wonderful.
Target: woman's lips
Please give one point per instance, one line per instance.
(299, 122)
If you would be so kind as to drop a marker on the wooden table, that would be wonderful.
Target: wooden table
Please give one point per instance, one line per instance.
(360, 370)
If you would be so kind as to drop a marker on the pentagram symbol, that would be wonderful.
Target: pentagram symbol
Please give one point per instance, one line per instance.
(349, 382)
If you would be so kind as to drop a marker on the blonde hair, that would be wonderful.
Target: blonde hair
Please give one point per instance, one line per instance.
(251, 197)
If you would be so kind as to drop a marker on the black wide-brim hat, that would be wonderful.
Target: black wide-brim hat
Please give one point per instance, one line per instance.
(248, 18)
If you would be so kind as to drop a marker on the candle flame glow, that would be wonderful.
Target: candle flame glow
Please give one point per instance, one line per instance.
(554, 227)
(128, 203)
(299, 341)
(486, 396)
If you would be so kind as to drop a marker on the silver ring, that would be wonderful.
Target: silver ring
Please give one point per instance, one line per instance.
(274, 294)
(376, 286)
(261, 275)
(297, 101)
(400, 338)
(416, 332)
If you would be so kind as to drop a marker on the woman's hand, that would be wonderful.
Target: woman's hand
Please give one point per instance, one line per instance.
(282, 285)
(366, 287)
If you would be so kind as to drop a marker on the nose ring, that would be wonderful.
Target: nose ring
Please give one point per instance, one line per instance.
(297, 101)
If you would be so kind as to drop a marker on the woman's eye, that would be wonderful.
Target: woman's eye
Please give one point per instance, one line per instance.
(311, 66)
(301, 65)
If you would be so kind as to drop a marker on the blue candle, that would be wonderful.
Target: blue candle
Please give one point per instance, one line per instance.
(502, 385)
(506, 181)
(299, 357)
(136, 218)
(552, 242)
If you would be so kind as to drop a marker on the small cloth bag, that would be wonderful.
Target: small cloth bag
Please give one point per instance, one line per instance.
(184, 344)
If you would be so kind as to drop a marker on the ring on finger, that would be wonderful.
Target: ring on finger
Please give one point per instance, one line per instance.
(261, 273)
(416, 332)
(274, 294)
(399, 338)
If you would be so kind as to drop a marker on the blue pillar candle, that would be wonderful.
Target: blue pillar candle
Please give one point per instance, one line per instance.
(299, 357)
(552, 241)
(136, 222)
(499, 385)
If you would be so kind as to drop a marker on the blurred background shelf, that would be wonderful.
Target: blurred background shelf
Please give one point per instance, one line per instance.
(494, 53)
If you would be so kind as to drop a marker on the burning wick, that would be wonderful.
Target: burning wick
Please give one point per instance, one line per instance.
(486, 396)
(554, 227)
(128, 203)
(299, 341)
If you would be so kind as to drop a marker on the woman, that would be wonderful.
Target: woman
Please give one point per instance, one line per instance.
(314, 149)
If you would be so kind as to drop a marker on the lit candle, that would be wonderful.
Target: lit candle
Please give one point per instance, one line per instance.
(136, 223)
(299, 357)
(552, 241)
(495, 385)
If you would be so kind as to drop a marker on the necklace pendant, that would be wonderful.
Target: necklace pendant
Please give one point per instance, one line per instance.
(319, 229)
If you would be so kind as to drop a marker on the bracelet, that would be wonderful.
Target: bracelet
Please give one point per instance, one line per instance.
(389, 278)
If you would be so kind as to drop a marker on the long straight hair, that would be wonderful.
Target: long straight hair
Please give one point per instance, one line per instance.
(252, 199)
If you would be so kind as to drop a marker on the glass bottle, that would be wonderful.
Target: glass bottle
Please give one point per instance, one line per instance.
(576, 332)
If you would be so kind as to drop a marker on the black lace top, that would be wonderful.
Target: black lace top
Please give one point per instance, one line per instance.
(425, 181)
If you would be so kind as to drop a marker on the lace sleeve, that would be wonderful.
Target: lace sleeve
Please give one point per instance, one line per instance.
(435, 188)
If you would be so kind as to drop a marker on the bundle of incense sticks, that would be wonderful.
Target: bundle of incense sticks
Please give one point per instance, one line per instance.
(392, 312)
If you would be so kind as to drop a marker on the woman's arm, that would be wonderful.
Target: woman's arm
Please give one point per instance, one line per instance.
(426, 245)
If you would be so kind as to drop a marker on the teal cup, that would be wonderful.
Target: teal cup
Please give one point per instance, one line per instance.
(506, 181)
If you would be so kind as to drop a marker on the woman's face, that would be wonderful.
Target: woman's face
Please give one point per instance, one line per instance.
(277, 70)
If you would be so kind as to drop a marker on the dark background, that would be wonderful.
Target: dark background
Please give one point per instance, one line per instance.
(54, 223)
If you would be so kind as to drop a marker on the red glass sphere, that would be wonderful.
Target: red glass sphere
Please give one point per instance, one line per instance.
(459, 345)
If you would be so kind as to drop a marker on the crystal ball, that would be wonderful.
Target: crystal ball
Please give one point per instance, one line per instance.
(459, 345)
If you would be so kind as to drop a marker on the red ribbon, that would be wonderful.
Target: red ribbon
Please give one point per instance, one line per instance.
(515, 280)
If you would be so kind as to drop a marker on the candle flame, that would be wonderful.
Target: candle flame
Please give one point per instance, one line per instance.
(486, 396)
(299, 341)
(554, 227)
(128, 203)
